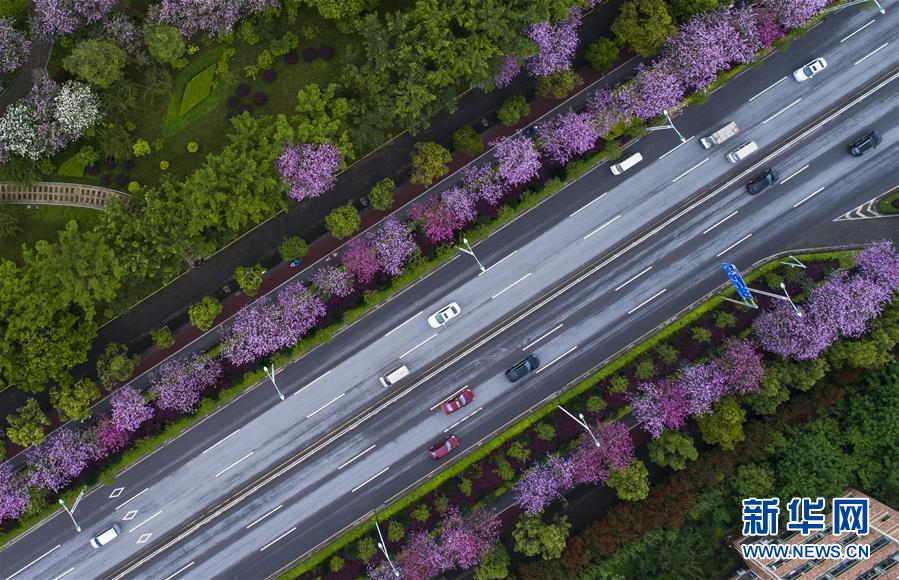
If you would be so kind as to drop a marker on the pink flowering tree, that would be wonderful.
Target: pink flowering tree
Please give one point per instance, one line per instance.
(435, 219)
(879, 264)
(542, 484)
(13, 494)
(393, 246)
(508, 70)
(309, 170)
(62, 17)
(422, 558)
(482, 182)
(129, 410)
(566, 136)
(59, 460)
(741, 365)
(180, 382)
(333, 281)
(591, 463)
(793, 13)
(556, 43)
(518, 159)
(460, 202)
(110, 437)
(660, 405)
(465, 540)
(14, 47)
(359, 260)
(256, 332)
(300, 312)
(213, 17)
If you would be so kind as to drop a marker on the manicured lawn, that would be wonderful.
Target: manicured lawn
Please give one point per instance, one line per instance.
(41, 223)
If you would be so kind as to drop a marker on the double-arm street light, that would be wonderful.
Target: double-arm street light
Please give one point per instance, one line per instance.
(71, 511)
(271, 374)
(383, 548)
(670, 125)
(582, 422)
(470, 252)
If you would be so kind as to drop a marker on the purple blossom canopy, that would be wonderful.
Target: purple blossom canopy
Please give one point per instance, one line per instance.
(359, 259)
(436, 220)
(704, 384)
(309, 170)
(62, 17)
(129, 410)
(566, 136)
(605, 107)
(660, 405)
(59, 460)
(483, 183)
(591, 464)
(556, 43)
(518, 159)
(793, 13)
(460, 202)
(742, 367)
(465, 540)
(110, 437)
(544, 483)
(300, 312)
(879, 264)
(422, 558)
(180, 382)
(393, 245)
(333, 281)
(507, 72)
(214, 17)
(780, 331)
(655, 89)
(845, 303)
(14, 47)
(256, 332)
(13, 494)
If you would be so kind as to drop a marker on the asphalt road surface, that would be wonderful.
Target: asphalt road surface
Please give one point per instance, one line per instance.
(578, 278)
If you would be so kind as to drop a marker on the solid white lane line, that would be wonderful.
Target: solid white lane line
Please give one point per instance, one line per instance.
(733, 245)
(719, 223)
(768, 89)
(589, 204)
(278, 538)
(777, 114)
(555, 360)
(133, 498)
(541, 338)
(313, 413)
(233, 464)
(687, 172)
(356, 457)
(220, 442)
(678, 147)
(794, 174)
(647, 301)
(634, 278)
(497, 264)
(602, 226)
(319, 378)
(263, 516)
(454, 395)
(808, 197)
(510, 285)
(30, 564)
(870, 54)
(369, 480)
(462, 420)
(179, 570)
(403, 324)
(418, 345)
(64, 573)
(857, 31)
(145, 521)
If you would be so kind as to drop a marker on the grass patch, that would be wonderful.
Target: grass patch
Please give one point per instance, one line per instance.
(890, 203)
(71, 167)
(197, 90)
(42, 222)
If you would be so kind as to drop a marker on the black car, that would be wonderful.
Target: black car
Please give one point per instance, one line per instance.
(761, 183)
(522, 368)
(864, 144)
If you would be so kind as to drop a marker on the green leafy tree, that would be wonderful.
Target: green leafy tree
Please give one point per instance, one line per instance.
(157, 83)
(646, 369)
(26, 426)
(164, 43)
(162, 337)
(724, 426)
(602, 54)
(323, 117)
(468, 141)
(619, 383)
(430, 160)
(869, 352)
(630, 483)
(9, 223)
(811, 460)
(293, 248)
(512, 110)
(535, 538)
(114, 365)
(73, 400)
(685, 9)
(97, 61)
(115, 142)
(558, 85)
(644, 25)
(395, 531)
(365, 548)
(754, 480)
(343, 221)
(381, 195)
(335, 564)
(345, 10)
(494, 565)
(202, 314)
(672, 449)
(667, 353)
(87, 155)
(249, 278)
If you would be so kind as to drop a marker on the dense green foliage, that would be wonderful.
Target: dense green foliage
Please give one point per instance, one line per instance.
(429, 161)
(602, 54)
(513, 109)
(115, 365)
(381, 194)
(343, 221)
(164, 43)
(643, 25)
(97, 61)
(468, 141)
(293, 248)
(26, 425)
(202, 314)
(73, 401)
(249, 278)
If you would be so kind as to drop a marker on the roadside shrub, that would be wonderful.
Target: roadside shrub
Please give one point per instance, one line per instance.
(381, 195)
(645, 370)
(595, 403)
(618, 384)
(202, 314)
(468, 141)
(519, 450)
(249, 278)
(725, 319)
(429, 161)
(558, 85)
(545, 431)
(602, 54)
(162, 337)
(701, 334)
(667, 353)
(293, 248)
(512, 110)
(343, 221)
(395, 531)
(420, 513)
(335, 564)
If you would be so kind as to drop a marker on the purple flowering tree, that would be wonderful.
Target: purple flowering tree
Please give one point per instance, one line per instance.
(393, 246)
(591, 463)
(435, 219)
(483, 183)
(793, 13)
(742, 367)
(460, 202)
(465, 540)
(129, 410)
(13, 494)
(59, 460)
(62, 17)
(661, 404)
(507, 72)
(180, 382)
(766, 26)
(309, 170)
(703, 385)
(567, 135)
(333, 281)
(518, 159)
(556, 43)
(359, 260)
(300, 311)
(605, 108)
(256, 332)
(110, 437)
(422, 558)
(780, 331)
(656, 89)
(544, 483)
(879, 264)
(846, 303)
(14, 47)
(214, 17)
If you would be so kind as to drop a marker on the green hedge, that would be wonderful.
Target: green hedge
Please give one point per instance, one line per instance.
(197, 90)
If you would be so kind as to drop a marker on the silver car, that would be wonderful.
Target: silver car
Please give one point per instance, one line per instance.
(444, 315)
(810, 70)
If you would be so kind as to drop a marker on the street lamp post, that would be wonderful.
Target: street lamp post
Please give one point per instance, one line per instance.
(854, 3)
(71, 511)
(383, 548)
(790, 300)
(470, 252)
(271, 374)
(582, 422)
(670, 125)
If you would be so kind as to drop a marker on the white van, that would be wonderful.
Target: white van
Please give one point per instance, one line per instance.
(106, 536)
(626, 164)
(393, 376)
(742, 152)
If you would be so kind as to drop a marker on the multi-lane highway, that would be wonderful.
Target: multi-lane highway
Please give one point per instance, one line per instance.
(573, 281)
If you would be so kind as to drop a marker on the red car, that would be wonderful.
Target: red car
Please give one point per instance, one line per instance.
(454, 404)
(442, 449)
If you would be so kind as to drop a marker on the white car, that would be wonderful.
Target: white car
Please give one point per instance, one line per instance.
(810, 70)
(444, 315)
(106, 536)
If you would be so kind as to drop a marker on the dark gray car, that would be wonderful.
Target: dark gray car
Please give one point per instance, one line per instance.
(522, 368)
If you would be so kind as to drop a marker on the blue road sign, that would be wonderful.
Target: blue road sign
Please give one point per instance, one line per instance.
(737, 280)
